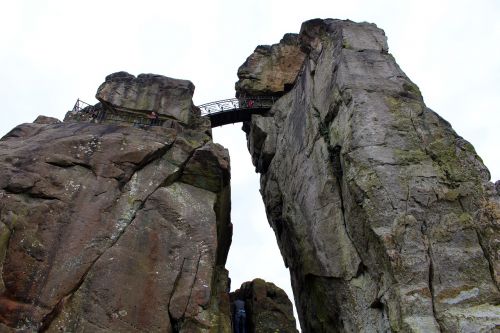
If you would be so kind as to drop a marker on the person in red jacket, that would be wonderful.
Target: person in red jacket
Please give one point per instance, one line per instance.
(154, 118)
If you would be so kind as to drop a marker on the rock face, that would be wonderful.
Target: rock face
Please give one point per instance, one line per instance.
(148, 92)
(384, 215)
(108, 228)
(271, 70)
(46, 120)
(268, 307)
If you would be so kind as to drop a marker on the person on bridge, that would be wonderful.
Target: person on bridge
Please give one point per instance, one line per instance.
(240, 316)
(250, 103)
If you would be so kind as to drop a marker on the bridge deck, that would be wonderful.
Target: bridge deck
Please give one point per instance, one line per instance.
(235, 110)
(234, 116)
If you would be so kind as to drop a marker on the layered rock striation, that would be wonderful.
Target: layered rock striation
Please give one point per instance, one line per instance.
(148, 92)
(127, 99)
(112, 228)
(384, 215)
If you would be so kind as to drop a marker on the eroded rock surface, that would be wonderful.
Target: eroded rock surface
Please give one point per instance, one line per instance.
(268, 307)
(271, 69)
(148, 92)
(108, 228)
(384, 215)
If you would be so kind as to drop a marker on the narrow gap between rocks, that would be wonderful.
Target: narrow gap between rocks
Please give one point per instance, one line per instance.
(254, 252)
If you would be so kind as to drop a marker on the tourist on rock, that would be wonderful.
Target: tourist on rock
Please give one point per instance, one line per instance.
(154, 118)
(93, 115)
(239, 316)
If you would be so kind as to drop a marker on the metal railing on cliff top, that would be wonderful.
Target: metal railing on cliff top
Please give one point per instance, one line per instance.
(249, 105)
(80, 105)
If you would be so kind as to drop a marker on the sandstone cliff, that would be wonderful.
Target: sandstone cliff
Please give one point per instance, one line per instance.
(112, 221)
(105, 227)
(384, 215)
(271, 70)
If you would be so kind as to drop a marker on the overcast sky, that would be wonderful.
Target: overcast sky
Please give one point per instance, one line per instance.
(52, 52)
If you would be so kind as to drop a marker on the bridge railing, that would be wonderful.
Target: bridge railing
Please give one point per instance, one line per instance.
(98, 113)
(83, 111)
(237, 103)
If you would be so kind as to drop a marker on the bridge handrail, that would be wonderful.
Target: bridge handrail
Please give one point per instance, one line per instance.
(93, 113)
(80, 105)
(86, 112)
(236, 103)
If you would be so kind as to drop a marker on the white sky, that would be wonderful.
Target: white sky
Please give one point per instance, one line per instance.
(52, 52)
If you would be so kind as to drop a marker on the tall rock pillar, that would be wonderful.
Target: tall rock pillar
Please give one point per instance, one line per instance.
(384, 215)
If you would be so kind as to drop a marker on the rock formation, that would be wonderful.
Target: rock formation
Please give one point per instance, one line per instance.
(148, 92)
(268, 307)
(271, 70)
(110, 228)
(113, 221)
(384, 215)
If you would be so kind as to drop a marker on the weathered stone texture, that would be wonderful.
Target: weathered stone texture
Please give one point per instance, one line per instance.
(107, 228)
(268, 307)
(149, 92)
(384, 215)
(271, 70)
(46, 120)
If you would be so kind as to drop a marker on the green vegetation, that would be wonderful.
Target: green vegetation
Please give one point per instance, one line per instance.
(412, 89)
(410, 156)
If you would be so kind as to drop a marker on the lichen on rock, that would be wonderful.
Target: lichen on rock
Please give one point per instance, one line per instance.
(384, 215)
(107, 227)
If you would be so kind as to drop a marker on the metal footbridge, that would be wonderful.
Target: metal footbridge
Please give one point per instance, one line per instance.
(223, 112)
(235, 110)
